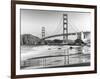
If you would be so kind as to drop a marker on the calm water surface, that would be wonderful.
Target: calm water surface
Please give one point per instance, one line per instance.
(49, 56)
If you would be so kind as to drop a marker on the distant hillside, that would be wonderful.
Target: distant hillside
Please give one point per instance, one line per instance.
(29, 39)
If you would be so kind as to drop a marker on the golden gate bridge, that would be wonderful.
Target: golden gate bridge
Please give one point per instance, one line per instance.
(62, 57)
(66, 32)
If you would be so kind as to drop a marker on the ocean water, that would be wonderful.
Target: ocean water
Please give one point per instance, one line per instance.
(53, 56)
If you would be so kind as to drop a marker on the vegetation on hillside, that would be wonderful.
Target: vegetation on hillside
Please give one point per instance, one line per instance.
(29, 39)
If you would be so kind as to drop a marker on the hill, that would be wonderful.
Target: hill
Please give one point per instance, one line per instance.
(29, 39)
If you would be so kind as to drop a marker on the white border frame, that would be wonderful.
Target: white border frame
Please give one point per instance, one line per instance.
(51, 70)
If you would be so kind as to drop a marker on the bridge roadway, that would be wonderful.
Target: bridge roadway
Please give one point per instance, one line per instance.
(60, 35)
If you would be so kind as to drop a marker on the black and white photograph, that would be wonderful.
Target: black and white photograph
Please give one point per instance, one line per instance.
(52, 39)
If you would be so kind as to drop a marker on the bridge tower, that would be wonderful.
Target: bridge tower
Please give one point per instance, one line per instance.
(43, 32)
(65, 28)
(43, 35)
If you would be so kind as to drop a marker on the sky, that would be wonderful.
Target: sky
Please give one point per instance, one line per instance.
(32, 21)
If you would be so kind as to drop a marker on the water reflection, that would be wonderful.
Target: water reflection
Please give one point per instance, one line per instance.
(56, 56)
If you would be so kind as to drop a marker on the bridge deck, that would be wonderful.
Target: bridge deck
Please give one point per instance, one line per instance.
(59, 35)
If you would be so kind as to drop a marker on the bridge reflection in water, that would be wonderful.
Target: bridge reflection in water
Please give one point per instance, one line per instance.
(61, 56)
